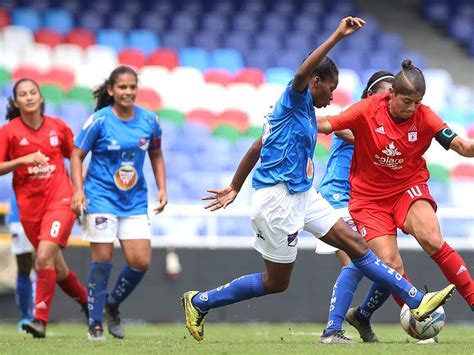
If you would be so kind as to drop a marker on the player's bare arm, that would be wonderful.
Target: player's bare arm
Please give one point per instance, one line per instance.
(462, 147)
(159, 171)
(224, 197)
(324, 126)
(36, 158)
(78, 200)
(347, 26)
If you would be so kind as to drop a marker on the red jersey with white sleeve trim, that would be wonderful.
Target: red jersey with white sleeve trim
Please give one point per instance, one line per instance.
(388, 157)
(38, 188)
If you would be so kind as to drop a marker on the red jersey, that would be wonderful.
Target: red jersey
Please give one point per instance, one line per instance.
(388, 157)
(37, 188)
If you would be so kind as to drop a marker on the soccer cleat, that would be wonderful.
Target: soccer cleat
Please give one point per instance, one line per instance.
(194, 317)
(335, 337)
(431, 301)
(114, 323)
(35, 327)
(19, 327)
(363, 326)
(96, 333)
(429, 341)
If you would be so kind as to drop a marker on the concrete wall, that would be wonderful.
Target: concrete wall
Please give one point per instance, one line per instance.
(157, 298)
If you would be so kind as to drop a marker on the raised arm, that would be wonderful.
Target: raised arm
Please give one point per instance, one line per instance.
(462, 147)
(347, 26)
(227, 195)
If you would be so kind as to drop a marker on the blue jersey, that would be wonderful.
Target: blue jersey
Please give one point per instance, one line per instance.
(289, 139)
(115, 182)
(335, 186)
(13, 215)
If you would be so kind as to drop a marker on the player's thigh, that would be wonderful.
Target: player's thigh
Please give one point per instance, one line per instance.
(277, 218)
(134, 234)
(320, 216)
(373, 218)
(56, 225)
(386, 248)
(324, 248)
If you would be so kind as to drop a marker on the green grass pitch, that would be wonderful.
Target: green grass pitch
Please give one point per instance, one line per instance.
(229, 339)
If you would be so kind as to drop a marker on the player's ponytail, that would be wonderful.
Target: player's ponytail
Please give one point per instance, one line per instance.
(409, 80)
(12, 110)
(101, 94)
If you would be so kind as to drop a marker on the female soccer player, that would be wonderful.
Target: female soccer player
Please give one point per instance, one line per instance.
(114, 198)
(285, 202)
(389, 182)
(34, 146)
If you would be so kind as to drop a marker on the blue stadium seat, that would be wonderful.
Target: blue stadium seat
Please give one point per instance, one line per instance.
(181, 164)
(26, 17)
(35, 4)
(276, 23)
(131, 6)
(390, 41)
(207, 40)
(351, 60)
(145, 40)
(103, 6)
(153, 21)
(382, 60)
(234, 226)
(6, 189)
(437, 12)
(305, 24)
(214, 22)
(223, 7)
(268, 41)
(112, 38)
(259, 58)
(74, 114)
(461, 28)
(123, 21)
(245, 22)
(289, 59)
(418, 60)
(184, 22)
(176, 40)
(239, 41)
(58, 19)
(227, 58)
(194, 57)
(196, 183)
(279, 75)
(91, 20)
(299, 42)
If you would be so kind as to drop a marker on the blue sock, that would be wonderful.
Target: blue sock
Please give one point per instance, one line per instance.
(24, 295)
(376, 270)
(243, 288)
(97, 280)
(342, 294)
(127, 281)
(374, 300)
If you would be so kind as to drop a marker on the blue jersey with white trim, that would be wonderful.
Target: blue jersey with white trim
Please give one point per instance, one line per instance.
(334, 185)
(289, 139)
(115, 182)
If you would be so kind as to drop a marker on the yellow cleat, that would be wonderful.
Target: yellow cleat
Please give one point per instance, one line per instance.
(194, 317)
(431, 301)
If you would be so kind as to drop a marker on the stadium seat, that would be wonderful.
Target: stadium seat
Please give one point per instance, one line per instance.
(75, 114)
(38, 55)
(17, 36)
(279, 75)
(91, 20)
(183, 22)
(305, 23)
(4, 18)
(5, 76)
(245, 22)
(176, 117)
(228, 132)
(259, 59)
(59, 20)
(149, 99)
(461, 28)
(26, 17)
(239, 41)
(81, 94)
(122, 21)
(155, 22)
(207, 40)
(214, 22)
(289, 59)
(194, 57)
(390, 42)
(164, 57)
(438, 13)
(176, 40)
(218, 76)
(268, 41)
(67, 55)
(101, 56)
(60, 77)
(47, 36)
(80, 37)
(463, 171)
(52, 94)
(227, 58)
(234, 118)
(144, 40)
(132, 57)
(112, 38)
(203, 117)
(253, 76)
(214, 97)
(276, 23)
(10, 57)
(155, 77)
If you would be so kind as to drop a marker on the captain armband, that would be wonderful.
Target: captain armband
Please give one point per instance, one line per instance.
(445, 137)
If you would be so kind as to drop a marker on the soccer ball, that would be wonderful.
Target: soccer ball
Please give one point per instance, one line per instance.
(427, 329)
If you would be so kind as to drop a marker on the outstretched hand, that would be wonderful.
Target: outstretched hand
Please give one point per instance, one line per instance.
(220, 198)
(349, 25)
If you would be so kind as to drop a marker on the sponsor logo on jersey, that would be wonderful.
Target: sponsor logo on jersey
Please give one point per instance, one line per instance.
(101, 222)
(41, 172)
(144, 143)
(293, 239)
(126, 177)
(113, 145)
(390, 160)
(260, 235)
(24, 142)
(380, 130)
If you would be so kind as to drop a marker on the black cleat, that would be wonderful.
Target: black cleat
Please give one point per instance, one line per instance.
(35, 327)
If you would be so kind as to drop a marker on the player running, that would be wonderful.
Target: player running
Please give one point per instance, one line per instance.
(389, 185)
(284, 202)
(34, 147)
(114, 197)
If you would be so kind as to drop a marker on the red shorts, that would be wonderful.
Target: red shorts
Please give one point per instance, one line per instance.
(55, 226)
(382, 217)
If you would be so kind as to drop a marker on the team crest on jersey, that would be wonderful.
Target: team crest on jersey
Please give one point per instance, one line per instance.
(53, 138)
(126, 177)
(412, 133)
(101, 222)
(292, 239)
(144, 143)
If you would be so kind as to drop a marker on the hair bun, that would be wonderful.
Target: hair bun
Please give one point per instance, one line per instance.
(407, 64)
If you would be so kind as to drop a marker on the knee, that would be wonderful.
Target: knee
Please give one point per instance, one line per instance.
(395, 262)
(141, 264)
(44, 260)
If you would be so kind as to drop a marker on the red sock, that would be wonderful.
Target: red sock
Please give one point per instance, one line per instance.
(73, 288)
(456, 271)
(45, 285)
(396, 298)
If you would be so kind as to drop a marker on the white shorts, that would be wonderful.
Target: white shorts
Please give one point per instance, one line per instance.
(323, 248)
(105, 227)
(20, 243)
(278, 216)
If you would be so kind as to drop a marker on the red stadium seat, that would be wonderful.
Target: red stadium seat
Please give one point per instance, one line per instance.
(341, 97)
(132, 57)
(324, 140)
(48, 36)
(219, 76)
(165, 57)
(149, 99)
(4, 18)
(463, 171)
(253, 76)
(236, 118)
(25, 71)
(81, 37)
(202, 116)
(62, 77)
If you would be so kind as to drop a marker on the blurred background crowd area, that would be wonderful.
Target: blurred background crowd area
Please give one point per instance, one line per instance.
(211, 69)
